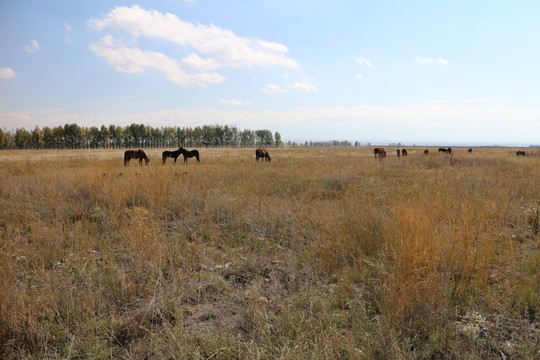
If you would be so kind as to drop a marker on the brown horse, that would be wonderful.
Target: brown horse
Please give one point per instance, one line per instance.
(189, 154)
(404, 152)
(426, 152)
(398, 153)
(135, 154)
(380, 152)
(262, 153)
(521, 153)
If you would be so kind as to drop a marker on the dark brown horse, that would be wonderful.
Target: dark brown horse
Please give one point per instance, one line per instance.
(403, 152)
(262, 153)
(521, 153)
(380, 152)
(446, 150)
(135, 154)
(426, 152)
(189, 154)
(469, 151)
(172, 154)
(398, 153)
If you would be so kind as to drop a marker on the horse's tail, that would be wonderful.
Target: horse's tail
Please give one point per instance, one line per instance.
(126, 158)
(197, 155)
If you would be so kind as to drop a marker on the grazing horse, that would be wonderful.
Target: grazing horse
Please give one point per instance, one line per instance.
(469, 151)
(404, 152)
(189, 154)
(262, 153)
(172, 154)
(380, 152)
(426, 152)
(446, 151)
(398, 153)
(135, 154)
(521, 153)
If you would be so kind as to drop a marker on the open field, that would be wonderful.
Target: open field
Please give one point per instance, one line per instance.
(324, 253)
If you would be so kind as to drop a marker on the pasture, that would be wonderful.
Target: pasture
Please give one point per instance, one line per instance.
(324, 253)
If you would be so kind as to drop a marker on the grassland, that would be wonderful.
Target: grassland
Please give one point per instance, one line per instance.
(324, 253)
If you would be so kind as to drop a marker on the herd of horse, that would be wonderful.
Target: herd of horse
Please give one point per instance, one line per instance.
(260, 153)
(141, 155)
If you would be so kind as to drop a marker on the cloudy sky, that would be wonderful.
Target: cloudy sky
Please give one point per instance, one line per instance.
(415, 72)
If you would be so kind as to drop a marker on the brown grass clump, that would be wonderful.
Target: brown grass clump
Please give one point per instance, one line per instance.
(322, 253)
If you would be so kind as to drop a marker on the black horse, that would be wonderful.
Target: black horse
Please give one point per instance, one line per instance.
(446, 151)
(171, 154)
(189, 154)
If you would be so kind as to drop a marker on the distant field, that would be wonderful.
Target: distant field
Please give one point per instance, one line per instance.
(324, 253)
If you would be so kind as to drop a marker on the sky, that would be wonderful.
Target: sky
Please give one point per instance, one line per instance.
(411, 72)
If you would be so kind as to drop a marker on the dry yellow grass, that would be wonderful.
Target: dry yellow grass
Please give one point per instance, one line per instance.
(322, 253)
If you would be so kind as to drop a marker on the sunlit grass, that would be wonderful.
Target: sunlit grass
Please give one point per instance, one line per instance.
(322, 253)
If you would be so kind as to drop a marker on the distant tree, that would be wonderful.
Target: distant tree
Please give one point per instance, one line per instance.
(235, 136)
(72, 136)
(22, 138)
(115, 136)
(277, 139)
(103, 138)
(197, 136)
(247, 138)
(36, 140)
(227, 136)
(207, 135)
(3, 140)
(264, 137)
(58, 135)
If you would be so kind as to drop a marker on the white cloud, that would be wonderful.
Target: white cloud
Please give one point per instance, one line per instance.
(363, 61)
(67, 38)
(234, 102)
(7, 73)
(272, 89)
(438, 60)
(359, 76)
(465, 101)
(303, 86)
(33, 47)
(195, 63)
(211, 47)
(133, 60)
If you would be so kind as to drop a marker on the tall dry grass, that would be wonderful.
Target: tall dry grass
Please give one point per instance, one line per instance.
(323, 253)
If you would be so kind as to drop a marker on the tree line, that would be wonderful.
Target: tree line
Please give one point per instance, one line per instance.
(73, 136)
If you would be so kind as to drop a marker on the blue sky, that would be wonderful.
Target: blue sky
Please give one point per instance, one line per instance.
(415, 72)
